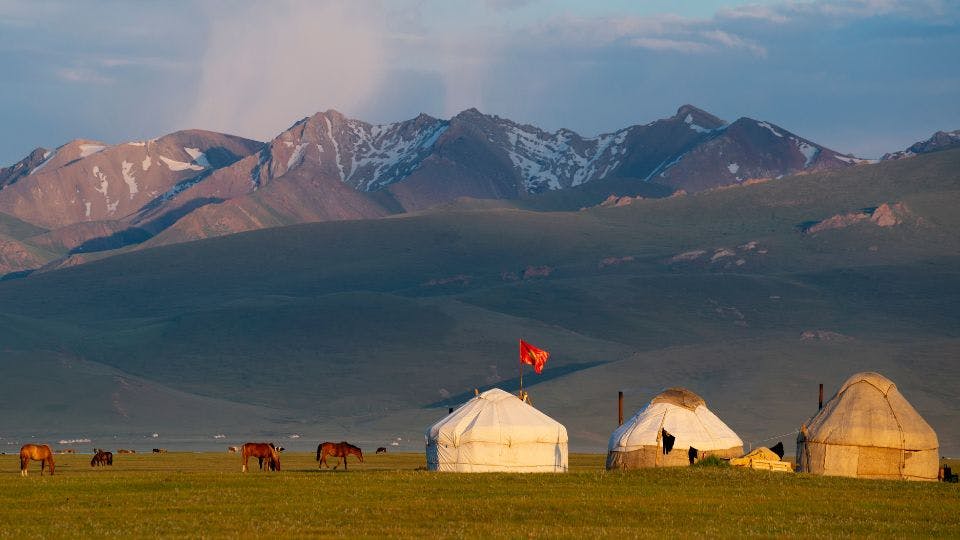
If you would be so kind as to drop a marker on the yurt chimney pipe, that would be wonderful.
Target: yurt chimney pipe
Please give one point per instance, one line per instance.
(620, 408)
(820, 403)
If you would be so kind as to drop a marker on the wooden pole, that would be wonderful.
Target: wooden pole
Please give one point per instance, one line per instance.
(620, 408)
(820, 403)
(520, 369)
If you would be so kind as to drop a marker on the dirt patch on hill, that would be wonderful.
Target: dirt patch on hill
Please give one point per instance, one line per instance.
(885, 215)
(823, 335)
(532, 272)
(613, 201)
(614, 261)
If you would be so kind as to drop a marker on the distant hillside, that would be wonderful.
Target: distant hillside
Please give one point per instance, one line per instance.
(369, 329)
(95, 198)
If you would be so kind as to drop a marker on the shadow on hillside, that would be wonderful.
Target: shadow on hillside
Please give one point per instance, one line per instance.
(138, 235)
(513, 385)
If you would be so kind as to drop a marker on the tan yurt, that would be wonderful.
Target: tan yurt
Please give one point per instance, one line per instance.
(497, 432)
(675, 415)
(868, 430)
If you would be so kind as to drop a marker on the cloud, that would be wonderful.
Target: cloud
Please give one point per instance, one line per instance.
(268, 64)
(83, 76)
(753, 11)
(508, 4)
(733, 41)
(668, 44)
(253, 68)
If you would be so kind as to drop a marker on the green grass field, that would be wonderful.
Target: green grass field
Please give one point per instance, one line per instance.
(195, 495)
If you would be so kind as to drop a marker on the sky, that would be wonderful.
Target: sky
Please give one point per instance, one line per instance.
(859, 76)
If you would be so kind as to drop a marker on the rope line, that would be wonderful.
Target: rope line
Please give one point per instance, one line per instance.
(772, 438)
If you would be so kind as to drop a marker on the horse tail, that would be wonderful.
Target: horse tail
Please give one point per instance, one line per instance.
(319, 451)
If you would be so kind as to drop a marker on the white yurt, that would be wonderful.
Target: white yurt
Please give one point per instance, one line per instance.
(497, 432)
(678, 413)
(869, 430)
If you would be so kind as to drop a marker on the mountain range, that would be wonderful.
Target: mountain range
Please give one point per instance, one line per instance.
(86, 199)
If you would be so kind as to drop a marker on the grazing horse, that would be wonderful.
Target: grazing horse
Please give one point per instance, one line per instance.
(382, 450)
(101, 457)
(338, 450)
(36, 452)
(261, 451)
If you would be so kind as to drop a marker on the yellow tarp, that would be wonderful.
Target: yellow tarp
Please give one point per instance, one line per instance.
(762, 458)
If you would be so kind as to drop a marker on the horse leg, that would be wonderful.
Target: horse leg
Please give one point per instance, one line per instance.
(42, 463)
(24, 465)
(260, 462)
(244, 464)
(323, 460)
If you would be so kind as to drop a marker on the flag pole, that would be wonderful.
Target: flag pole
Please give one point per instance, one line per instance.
(520, 369)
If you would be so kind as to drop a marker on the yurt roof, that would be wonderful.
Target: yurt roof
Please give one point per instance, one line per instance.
(869, 410)
(684, 415)
(496, 416)
(680, 397)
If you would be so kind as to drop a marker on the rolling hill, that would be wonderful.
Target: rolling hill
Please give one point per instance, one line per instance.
(369, 329)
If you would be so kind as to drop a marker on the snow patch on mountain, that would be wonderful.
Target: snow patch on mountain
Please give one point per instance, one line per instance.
(129, 178)
(336, 147)
(47, 156)
(175, 165)
(145, 164)
(733, 168)
(297, 155)
(90, 149)
(563, 159)
(102, 183)
(199, 157)
(102, 188)
(385, 154)
(853, 160)
(809, 152)
(698, 128)
(772, 130)
(662, 168)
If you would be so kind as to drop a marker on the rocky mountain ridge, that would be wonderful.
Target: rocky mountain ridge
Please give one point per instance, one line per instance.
(941, 140)
(196, 184)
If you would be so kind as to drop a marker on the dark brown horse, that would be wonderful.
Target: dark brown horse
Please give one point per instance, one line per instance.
(101, 458)
(261, 451)
(338, 450)
(35, 452)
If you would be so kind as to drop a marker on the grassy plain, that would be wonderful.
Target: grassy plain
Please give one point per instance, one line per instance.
(181, 494)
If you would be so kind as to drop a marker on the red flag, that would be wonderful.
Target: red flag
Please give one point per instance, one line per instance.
(533, 356)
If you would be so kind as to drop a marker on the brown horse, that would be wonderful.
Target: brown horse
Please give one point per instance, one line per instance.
(261, 451)
(36, 452)
(338, 450)
(101, 457)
